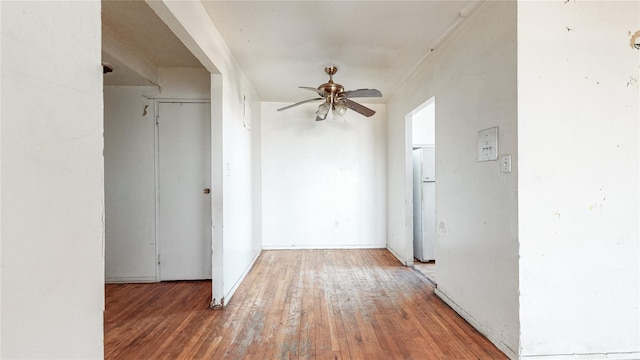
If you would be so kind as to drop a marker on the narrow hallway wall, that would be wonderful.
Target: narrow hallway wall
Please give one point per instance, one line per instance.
(473, 78)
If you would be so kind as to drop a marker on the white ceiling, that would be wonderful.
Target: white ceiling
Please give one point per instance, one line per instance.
(136, 25)
(281, 45)
(133, 22)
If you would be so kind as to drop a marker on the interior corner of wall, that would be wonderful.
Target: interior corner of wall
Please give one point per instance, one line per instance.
(402, 259)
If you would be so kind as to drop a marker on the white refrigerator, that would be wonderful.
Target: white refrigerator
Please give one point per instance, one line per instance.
(424, 204)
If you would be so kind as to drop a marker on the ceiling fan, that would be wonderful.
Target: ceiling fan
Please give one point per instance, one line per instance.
(336, 99)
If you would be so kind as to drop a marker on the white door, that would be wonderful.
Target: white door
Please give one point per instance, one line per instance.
(417, 203)
(428, 221)
(184, 179)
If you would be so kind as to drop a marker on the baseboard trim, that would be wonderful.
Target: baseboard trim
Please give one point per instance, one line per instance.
(598, 356)
(133, 279)
(405, 262)
(322, 247)
(478, 326)
(229, 294)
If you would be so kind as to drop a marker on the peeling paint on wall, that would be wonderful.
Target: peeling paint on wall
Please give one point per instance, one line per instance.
(635, 40)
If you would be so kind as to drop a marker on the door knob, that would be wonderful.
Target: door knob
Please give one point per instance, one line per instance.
(206, 191)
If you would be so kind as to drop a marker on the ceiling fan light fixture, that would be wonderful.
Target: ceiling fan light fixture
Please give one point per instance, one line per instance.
(322, 111)
(336, 98)
(339, 109)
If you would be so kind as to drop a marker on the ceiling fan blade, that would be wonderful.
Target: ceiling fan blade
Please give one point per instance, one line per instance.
(319, 92)
(358, 108)
(361, 93)
(299, 103)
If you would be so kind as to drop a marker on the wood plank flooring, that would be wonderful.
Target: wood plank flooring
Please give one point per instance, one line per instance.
(294, 304)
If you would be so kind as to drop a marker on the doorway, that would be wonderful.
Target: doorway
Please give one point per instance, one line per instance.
(183, 190)
(423, 149)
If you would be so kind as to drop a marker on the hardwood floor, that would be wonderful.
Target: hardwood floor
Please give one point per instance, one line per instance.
(428, 269)
(294, 304)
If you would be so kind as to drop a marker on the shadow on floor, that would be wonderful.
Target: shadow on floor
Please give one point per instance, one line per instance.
(428, 269)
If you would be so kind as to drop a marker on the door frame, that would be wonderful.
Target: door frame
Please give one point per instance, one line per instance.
(156, 175)
(408, 148)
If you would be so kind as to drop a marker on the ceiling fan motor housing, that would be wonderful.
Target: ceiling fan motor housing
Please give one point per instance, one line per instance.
(331, 89)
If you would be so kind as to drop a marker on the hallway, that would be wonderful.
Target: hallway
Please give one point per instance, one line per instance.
(309, 304)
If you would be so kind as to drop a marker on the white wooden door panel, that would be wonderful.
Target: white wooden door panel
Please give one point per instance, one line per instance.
(184, 172)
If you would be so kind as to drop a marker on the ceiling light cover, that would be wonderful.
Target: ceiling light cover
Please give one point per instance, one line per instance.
(339, 109)
(323, 110)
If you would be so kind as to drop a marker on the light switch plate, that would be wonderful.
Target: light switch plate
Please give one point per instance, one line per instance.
(505, 163)
(488, 144)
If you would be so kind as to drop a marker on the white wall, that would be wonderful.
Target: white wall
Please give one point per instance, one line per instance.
(184, 83)
(473, 77)
(52, 181)
(578, 145)
(130, 242)
(234, 168)
(323, 181)
(130, 193)
(423, 124)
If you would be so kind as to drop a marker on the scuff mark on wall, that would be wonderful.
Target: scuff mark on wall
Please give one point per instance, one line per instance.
(633, 81)
(634, 42)
(442, 228)
(598, 206)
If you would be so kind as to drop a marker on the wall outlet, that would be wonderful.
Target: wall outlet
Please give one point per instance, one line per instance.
(505, 163)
